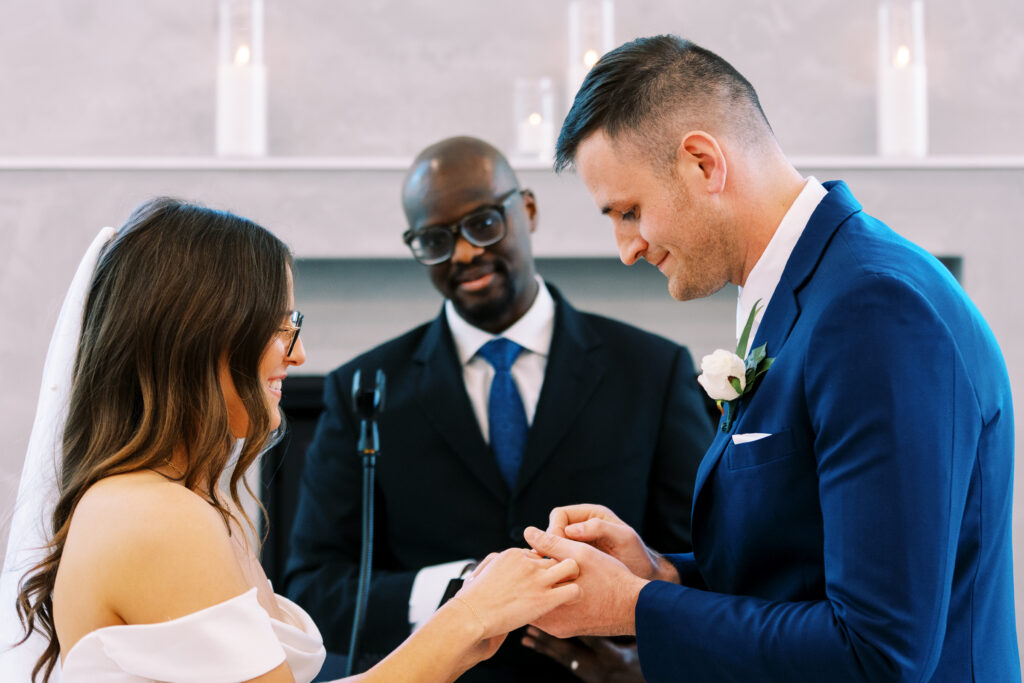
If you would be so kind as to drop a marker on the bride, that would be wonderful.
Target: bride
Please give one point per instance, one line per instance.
(148, 572)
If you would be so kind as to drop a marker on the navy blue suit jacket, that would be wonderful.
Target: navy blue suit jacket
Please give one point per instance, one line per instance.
(619, 421)
(868, 538)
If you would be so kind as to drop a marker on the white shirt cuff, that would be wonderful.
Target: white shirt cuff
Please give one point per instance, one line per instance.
(428, 589)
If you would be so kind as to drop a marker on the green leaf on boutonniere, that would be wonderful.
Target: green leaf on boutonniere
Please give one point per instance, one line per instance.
(755, 358)
(763, 367)
(757, 355)
(741, 347)
(756, 365)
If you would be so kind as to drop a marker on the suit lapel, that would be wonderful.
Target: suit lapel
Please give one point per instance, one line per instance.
(784, 308)
(442, 396)
(707, 463)
(574, 369)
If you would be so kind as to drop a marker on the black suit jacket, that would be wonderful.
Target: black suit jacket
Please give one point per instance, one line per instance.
(619, 422)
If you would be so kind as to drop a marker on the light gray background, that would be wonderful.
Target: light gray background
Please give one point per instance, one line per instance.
(104, 103)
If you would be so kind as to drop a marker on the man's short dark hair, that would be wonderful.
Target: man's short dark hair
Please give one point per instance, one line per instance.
(642, 87)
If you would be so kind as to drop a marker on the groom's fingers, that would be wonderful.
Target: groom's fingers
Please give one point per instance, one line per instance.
(563, 516)
(557, 521)
(565, 570)
(595, 530)
(549, 545)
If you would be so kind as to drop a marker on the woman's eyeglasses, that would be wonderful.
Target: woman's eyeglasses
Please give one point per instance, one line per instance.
(290, 331)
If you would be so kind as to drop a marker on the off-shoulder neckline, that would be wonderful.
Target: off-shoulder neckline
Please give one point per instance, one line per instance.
(182, 619)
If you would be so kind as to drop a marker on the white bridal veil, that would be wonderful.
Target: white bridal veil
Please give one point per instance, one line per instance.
(37, 492)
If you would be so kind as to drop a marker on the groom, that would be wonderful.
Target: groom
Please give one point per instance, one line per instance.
(851, 519)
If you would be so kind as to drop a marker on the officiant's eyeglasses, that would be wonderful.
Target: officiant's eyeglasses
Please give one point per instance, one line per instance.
(290, 331)
(482, 227)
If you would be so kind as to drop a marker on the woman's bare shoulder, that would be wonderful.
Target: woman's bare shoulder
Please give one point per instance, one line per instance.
(152, 547)
(144, 507)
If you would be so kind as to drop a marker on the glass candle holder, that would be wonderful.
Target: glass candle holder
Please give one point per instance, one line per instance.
(591, 34)
(534, 118)
(902, 79)
(241, 80)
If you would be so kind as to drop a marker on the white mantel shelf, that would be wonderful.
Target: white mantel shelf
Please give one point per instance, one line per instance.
(348, 207)
(402, 163)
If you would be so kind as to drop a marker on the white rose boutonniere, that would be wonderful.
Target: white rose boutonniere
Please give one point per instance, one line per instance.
(718, 372)
(726, 376)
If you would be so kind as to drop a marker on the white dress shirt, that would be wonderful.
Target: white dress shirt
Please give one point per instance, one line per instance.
(533, 332)
(765, 275)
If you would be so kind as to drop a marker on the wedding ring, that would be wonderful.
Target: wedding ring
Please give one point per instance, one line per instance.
(574, 664)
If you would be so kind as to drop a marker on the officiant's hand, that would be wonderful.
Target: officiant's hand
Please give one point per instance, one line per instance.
(608, 590)
(592, 659)
(601, 528)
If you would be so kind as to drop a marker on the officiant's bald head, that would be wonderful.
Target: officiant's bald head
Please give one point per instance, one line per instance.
(470, 223)
(435, 167)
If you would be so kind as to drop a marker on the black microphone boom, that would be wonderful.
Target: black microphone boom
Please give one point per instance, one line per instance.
(368, 403)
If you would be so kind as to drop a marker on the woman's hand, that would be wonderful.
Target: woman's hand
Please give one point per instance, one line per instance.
(513, 588)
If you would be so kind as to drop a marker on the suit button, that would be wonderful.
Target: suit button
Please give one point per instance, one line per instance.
(516, 534)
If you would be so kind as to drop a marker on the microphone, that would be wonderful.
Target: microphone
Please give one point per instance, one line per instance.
(368, 404)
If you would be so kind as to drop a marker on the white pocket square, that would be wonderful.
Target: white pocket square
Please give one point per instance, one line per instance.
(747, 438)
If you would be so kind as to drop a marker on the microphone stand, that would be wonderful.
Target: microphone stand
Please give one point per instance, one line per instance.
(368, 404)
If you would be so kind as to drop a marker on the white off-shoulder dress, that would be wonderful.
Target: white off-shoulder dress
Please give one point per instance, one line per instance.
(226, 643)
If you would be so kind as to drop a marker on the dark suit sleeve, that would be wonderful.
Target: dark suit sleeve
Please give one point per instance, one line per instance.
(323, 565)
(685, 432)
(689, 574)
(895, 426)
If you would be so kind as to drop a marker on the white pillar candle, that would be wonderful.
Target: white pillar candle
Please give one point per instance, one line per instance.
(902, 79)
(241, 80)
(241, 110)
(534, 137)
(534, 116)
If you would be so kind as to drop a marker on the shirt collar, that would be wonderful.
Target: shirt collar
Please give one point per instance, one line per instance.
(533, 331)
(765, 275)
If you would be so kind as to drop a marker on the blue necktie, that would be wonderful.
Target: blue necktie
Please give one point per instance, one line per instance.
(505, 413)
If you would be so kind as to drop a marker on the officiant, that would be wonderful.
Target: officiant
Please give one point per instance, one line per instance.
(508, 403)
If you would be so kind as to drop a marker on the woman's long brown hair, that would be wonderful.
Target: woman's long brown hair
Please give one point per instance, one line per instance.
(179, 288)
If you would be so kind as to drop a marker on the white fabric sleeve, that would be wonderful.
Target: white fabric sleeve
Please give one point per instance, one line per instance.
(428, 589)
(228, 642)
(303, 646)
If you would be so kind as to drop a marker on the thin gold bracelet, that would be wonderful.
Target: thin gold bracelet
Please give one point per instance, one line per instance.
(472, 611)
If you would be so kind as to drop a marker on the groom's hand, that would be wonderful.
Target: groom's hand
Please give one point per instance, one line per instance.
(601, 528)
(608, 590)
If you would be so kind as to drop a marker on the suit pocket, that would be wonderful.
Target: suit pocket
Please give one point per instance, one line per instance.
(760, 452)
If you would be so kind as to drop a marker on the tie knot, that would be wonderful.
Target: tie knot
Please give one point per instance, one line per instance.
(500, 353)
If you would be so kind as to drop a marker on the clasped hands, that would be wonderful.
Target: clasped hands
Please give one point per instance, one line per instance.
(582, 577)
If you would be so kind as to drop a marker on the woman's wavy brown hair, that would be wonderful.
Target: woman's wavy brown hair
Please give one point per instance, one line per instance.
(180, 288)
